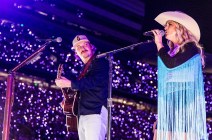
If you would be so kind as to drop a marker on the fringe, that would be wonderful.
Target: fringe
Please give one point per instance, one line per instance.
(181, 101)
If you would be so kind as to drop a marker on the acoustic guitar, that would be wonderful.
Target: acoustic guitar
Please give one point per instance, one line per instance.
(69, 104)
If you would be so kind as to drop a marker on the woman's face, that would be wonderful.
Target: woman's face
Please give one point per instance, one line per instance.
(170, 30)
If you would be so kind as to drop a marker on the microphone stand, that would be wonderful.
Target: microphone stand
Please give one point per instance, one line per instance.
(10, 90)
(109, 56)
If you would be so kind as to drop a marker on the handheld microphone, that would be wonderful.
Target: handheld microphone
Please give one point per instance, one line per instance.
(58, 40)
(150, 33)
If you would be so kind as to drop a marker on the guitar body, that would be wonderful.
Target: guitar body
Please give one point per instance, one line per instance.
(71, 123)
(69, 105)
(70, 102)
(70, 109)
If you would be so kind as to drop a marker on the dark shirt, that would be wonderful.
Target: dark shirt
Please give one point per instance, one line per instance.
(93, 87)
(190, 50)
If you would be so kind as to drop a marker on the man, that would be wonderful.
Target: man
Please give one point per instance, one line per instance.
(92, 86)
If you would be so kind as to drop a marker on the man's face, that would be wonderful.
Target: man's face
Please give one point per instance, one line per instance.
(84, 51)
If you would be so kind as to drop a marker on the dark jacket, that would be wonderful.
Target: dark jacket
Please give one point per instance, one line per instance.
(93, 87)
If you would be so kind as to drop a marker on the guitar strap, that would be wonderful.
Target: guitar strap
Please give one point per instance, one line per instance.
(85, 69)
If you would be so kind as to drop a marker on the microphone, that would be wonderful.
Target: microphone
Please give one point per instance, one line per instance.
(58, 40)
(150, 33)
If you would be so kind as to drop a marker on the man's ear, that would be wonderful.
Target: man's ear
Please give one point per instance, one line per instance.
(93, 48)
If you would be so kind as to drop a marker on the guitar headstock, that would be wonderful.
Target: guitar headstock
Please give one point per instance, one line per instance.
(59, 70)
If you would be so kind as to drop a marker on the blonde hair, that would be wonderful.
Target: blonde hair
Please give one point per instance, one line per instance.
(184, 36)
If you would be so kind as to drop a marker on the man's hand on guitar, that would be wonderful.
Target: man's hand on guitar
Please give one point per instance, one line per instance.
(63, 82)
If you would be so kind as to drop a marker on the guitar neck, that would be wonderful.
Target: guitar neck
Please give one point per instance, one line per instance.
(59, 71)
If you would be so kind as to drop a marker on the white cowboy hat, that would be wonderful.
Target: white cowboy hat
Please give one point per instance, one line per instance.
(181, 18)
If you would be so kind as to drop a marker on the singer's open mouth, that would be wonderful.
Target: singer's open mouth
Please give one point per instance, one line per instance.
(83, 51)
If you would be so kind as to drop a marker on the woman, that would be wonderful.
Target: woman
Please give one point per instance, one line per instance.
(181, 101)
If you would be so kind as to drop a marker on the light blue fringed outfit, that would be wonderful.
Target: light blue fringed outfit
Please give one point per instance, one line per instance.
(181, 101)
